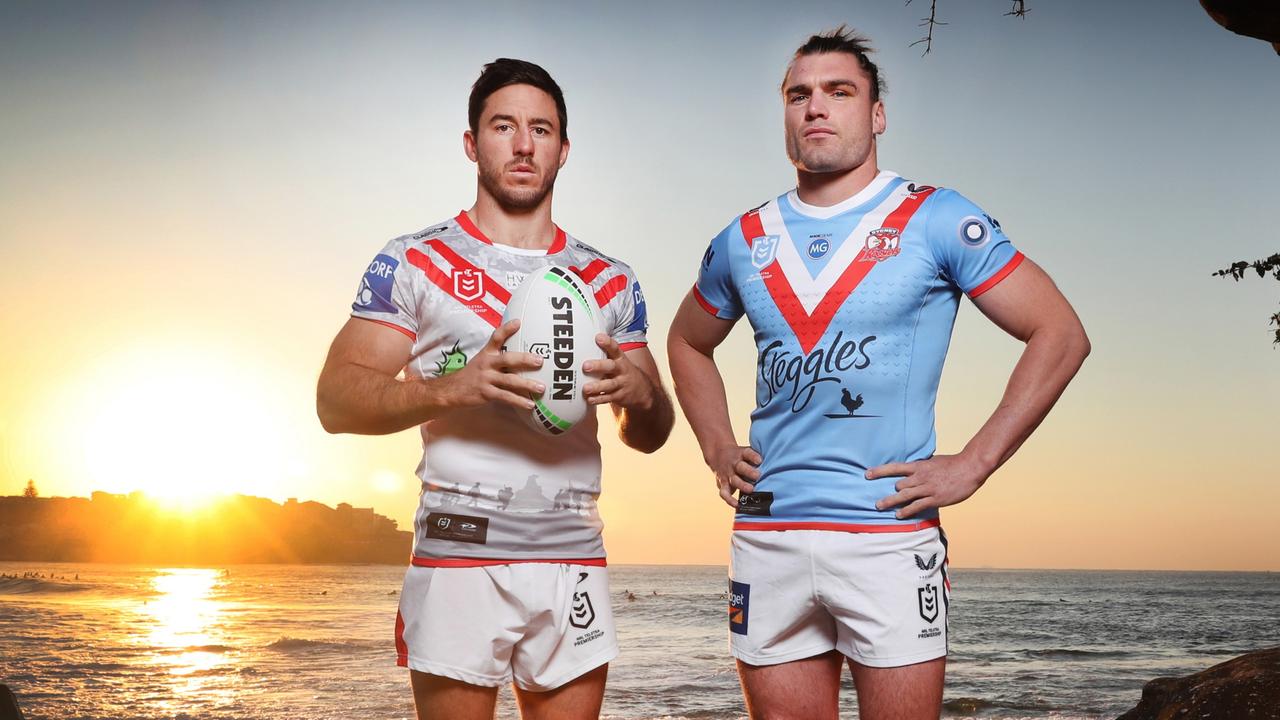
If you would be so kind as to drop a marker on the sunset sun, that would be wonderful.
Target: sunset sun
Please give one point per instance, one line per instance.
(180, 430)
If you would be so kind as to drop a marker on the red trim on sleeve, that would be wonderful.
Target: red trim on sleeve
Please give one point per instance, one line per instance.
(592, 270)
(490, 562)
(632, 346)
(839, 527)
(464, 221)
(702, 301)
(411, 335)
(1001, 274)
(610, 289)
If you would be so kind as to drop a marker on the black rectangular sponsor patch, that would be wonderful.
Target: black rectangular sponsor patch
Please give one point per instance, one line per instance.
(458, 528)
(755, 503)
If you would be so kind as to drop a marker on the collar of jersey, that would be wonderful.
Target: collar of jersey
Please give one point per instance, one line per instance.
(877, 184)
(468, 227)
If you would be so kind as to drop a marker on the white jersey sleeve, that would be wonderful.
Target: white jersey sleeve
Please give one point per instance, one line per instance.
(386, 292)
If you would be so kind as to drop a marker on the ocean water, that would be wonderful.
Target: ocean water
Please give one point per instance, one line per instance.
(276, 642)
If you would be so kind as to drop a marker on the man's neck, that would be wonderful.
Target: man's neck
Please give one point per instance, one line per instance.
(827, 189)
(530, 229)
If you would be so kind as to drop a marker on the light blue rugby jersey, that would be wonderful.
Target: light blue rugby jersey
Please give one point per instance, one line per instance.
(852, 307)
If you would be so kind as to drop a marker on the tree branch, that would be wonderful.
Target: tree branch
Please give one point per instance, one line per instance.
(928, 22)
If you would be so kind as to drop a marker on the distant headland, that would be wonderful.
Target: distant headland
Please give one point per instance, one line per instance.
(233, 529)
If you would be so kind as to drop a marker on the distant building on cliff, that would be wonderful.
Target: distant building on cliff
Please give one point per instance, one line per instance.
(235, 529)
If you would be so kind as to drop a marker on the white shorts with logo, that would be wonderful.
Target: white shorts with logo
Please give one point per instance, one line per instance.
(537, 624)
(879, 598)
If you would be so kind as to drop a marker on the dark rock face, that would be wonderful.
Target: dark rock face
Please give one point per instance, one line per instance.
(1246, 688)
(1247, 17)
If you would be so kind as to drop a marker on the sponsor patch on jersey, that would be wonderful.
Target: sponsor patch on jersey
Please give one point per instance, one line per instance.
(640, 321)
(374, 294)
(819, 247)
(458, 528)
(755, 503)
(974, 232)
(739, 606)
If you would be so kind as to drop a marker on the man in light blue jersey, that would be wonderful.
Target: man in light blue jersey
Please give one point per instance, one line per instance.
(851, 283)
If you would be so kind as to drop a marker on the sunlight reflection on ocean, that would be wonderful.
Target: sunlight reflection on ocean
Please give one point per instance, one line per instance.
(275, 642)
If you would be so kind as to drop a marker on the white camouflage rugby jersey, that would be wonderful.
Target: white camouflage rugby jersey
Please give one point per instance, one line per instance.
(493, 489)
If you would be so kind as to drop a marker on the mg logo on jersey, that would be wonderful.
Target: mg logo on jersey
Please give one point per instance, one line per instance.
(928, 597)
(763, 249)
(882, 244)
(467, 284)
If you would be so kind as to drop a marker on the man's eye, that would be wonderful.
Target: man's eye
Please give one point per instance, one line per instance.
(539, 131)
(502, 128)
(797, 99)
(839, 94)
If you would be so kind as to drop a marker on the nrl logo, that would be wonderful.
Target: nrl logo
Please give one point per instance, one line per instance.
(882, 244)
(763, 250)
(928, 599)
(467, 284)
(581, 612)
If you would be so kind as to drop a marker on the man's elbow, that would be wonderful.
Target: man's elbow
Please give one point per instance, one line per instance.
(331, 419)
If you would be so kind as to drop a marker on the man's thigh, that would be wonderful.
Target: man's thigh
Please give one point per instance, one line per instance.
(442, 698)
(910, 692)
(579, 699)
(807, 689)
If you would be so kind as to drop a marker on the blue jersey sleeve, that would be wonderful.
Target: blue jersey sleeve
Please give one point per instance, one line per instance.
(970, 248)
(715, 290)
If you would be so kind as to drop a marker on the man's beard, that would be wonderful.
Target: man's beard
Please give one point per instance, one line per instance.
(526, 197)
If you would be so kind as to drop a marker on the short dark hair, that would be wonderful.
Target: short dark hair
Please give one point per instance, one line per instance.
(843, 40)
(505, 71)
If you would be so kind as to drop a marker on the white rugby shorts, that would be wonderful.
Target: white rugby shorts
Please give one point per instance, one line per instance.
(538, 624)
(879, 598)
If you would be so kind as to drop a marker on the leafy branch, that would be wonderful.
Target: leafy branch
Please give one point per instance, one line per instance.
(1264, 266)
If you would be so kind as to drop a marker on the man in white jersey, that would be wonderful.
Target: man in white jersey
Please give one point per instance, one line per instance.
(851, 283)
(508, 580)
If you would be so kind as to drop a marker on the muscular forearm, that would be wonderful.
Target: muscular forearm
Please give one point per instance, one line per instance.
(700, 390)
(1050, 360)
(646, 428)
(355, 399)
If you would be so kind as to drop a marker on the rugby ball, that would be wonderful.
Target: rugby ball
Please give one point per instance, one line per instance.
(559, 320)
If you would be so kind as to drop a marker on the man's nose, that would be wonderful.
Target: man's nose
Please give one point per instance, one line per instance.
(816, 107)
(523, 143)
